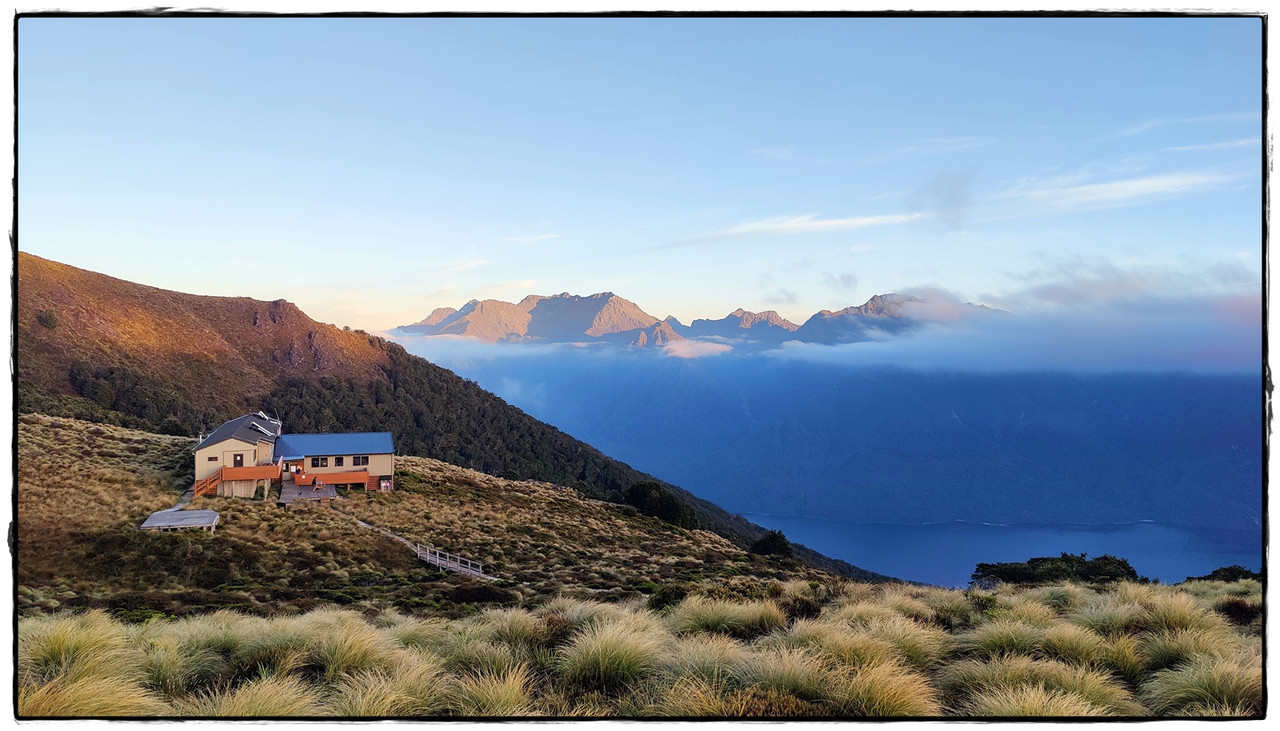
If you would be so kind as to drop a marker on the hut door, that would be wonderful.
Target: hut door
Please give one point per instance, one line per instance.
(237, 460)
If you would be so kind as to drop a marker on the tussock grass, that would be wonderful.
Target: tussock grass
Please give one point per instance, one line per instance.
(1073, 644)
(738, 619)
(1025, 609)
(834, 641)
(1063, 597)
(493, 696)
(1206, 682)
(919, 646)
(1002, 637)
(796, 672)
(705, 658)
(416, 687)
(609, 657)
(267, 697)
(861, 613)
(1175, 612)
(969, 678)
(883, 690)
(1109, 617)
(1171, 648)
(1031, 701)
(75, 647)
(88, 696)
(904, 601)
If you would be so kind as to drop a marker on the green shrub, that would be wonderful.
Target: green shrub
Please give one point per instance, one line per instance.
(773, 543)
(47, 318)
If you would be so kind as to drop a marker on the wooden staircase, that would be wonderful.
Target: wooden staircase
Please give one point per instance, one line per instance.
(209, 485)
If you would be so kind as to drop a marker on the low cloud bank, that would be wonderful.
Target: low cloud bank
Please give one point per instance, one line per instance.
(1203, 335)
(1149, 334)
(695, 349)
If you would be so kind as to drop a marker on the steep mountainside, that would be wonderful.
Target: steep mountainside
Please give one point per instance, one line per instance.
(97, 347)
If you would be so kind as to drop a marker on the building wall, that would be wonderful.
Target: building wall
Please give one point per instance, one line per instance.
(225, 452)
(379, 464)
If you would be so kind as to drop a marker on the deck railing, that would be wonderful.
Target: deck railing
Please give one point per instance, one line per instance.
(450, 562)
(208, 485)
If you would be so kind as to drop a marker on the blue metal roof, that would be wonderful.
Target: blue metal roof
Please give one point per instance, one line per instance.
(297, 446)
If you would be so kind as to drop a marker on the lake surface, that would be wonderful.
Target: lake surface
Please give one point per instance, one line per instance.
(946, 554)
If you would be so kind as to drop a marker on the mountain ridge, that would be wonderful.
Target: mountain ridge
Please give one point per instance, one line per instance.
(608, 318)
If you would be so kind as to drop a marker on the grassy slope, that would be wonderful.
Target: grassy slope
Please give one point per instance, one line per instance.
(84, 488)
(142, 355)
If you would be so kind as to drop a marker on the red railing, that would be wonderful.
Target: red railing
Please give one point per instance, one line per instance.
(209, 485)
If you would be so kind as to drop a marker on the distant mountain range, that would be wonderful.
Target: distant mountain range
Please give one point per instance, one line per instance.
(606, 317)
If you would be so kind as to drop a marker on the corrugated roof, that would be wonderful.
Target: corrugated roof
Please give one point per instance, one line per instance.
(251, 428)
(297, 446)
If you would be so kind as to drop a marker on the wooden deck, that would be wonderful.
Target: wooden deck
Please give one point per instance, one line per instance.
(175, 519)
(291, 491)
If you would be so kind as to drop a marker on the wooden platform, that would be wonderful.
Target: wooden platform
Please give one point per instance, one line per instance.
(291, 491)
(173, 519)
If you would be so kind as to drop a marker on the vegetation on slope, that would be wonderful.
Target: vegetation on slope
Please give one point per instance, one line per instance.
(877, 651)
(84, 488)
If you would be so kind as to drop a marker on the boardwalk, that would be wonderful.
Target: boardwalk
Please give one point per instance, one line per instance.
(434, 556)
(450, 562)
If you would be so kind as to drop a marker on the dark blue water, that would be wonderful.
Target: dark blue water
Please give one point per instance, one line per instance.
(945, 554)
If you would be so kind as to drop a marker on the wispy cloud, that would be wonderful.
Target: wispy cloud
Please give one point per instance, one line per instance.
(1117, 192)
(807, 223)
(1082, 283)
(1224, 145)
(462, 265)
(530, 239)
(781, 297)
(844, 281)
(1151, 124)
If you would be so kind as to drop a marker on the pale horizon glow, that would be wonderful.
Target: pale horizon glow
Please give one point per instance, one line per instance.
(372, 170)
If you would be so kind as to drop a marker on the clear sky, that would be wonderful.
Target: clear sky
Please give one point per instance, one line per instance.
(370, 170)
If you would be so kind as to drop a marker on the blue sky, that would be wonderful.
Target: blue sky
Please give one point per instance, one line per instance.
(372, 170)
